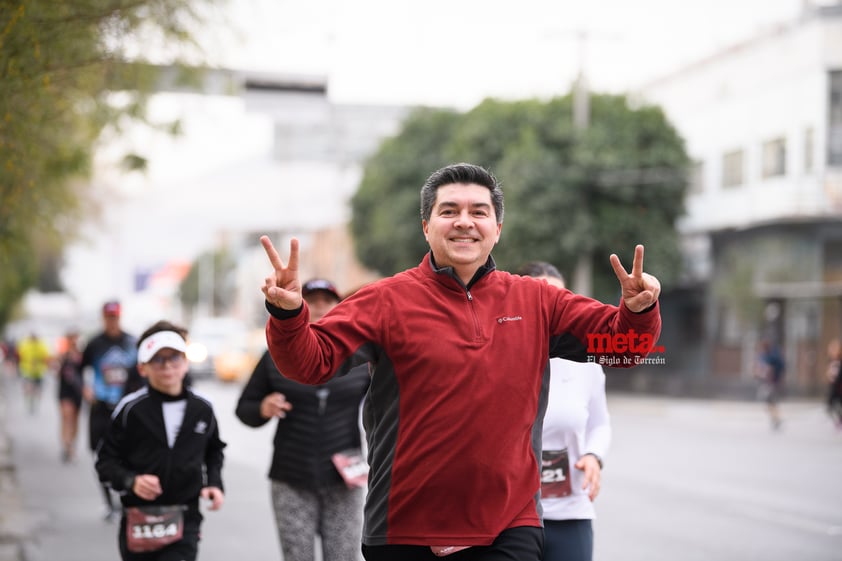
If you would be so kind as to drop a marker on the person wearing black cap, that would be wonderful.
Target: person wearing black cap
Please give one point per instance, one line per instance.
(309, 495)
(162, 451)
(109, 359)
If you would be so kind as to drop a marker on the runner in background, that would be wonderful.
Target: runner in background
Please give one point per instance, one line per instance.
(107, 361)
(70, 385)
(34, 361)
(834, 381)
(576, 436)
(769, 372)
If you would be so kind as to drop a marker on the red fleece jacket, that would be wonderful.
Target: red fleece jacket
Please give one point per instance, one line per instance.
(454, 411)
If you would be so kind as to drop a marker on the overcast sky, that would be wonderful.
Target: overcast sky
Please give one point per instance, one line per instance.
(439, 52)
(456, 52)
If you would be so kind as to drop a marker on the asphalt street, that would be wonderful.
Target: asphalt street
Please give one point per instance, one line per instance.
(685, 480)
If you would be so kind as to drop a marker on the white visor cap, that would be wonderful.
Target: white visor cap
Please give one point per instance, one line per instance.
(157, 341)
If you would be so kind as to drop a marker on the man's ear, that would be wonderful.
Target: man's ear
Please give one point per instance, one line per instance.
(141, 368)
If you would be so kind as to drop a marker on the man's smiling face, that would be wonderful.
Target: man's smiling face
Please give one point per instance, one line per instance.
(463, 228)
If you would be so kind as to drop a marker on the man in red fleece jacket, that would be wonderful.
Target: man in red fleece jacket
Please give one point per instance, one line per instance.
(458, 353)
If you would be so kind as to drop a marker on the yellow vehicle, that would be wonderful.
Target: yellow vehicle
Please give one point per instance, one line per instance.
(223, 348)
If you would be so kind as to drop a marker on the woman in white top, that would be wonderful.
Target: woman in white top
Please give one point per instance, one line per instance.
(576, 437)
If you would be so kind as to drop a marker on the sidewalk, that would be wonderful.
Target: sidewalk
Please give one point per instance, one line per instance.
(63, 519)
(11, 534)
(16, 523)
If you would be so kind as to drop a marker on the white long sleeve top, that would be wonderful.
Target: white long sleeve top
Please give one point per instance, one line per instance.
(577, 419)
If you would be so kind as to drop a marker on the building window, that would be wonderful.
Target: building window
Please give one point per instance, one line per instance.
(809, 150)
(732, 168)
(774, 158)
(834, 125)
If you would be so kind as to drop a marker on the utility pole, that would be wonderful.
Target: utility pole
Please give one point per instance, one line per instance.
(583, 274)
(581, 93)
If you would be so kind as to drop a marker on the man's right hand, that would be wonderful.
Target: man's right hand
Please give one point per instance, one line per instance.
(282, 289)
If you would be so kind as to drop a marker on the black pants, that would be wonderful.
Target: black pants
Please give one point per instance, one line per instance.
(524, 543)
(98, 422)
(568, 540)
(834, 401)
(100, 418)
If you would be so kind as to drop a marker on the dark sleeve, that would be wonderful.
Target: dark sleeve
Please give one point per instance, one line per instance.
(214, 457)
(257, 387)
(134, 381)
(110, 466)
(86, 356)
(568, 347)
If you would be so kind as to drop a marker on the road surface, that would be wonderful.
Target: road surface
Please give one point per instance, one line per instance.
(684, 480)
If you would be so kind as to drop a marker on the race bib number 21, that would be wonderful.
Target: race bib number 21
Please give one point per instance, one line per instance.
(555, 473)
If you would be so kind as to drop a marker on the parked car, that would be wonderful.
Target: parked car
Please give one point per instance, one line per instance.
(221, 347)
(237, 362)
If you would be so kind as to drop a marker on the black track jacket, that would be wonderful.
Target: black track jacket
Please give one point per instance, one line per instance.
(136, 443)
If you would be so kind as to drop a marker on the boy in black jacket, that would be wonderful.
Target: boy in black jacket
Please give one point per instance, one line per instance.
(162, 452)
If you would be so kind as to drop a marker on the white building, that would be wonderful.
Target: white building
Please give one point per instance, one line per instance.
(257, 154)
(763, 229)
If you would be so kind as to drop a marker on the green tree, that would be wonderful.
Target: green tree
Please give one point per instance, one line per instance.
(386, 221)
(569, 192)
(60, 64)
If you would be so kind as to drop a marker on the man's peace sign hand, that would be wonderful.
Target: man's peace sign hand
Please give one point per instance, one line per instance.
(640, 290)
(282, 289)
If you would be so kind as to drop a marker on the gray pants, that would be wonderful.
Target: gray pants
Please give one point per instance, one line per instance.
(334, 513)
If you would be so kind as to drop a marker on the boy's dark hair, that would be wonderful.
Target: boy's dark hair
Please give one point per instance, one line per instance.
(539, 269)
(162, 325)
(460, 173)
